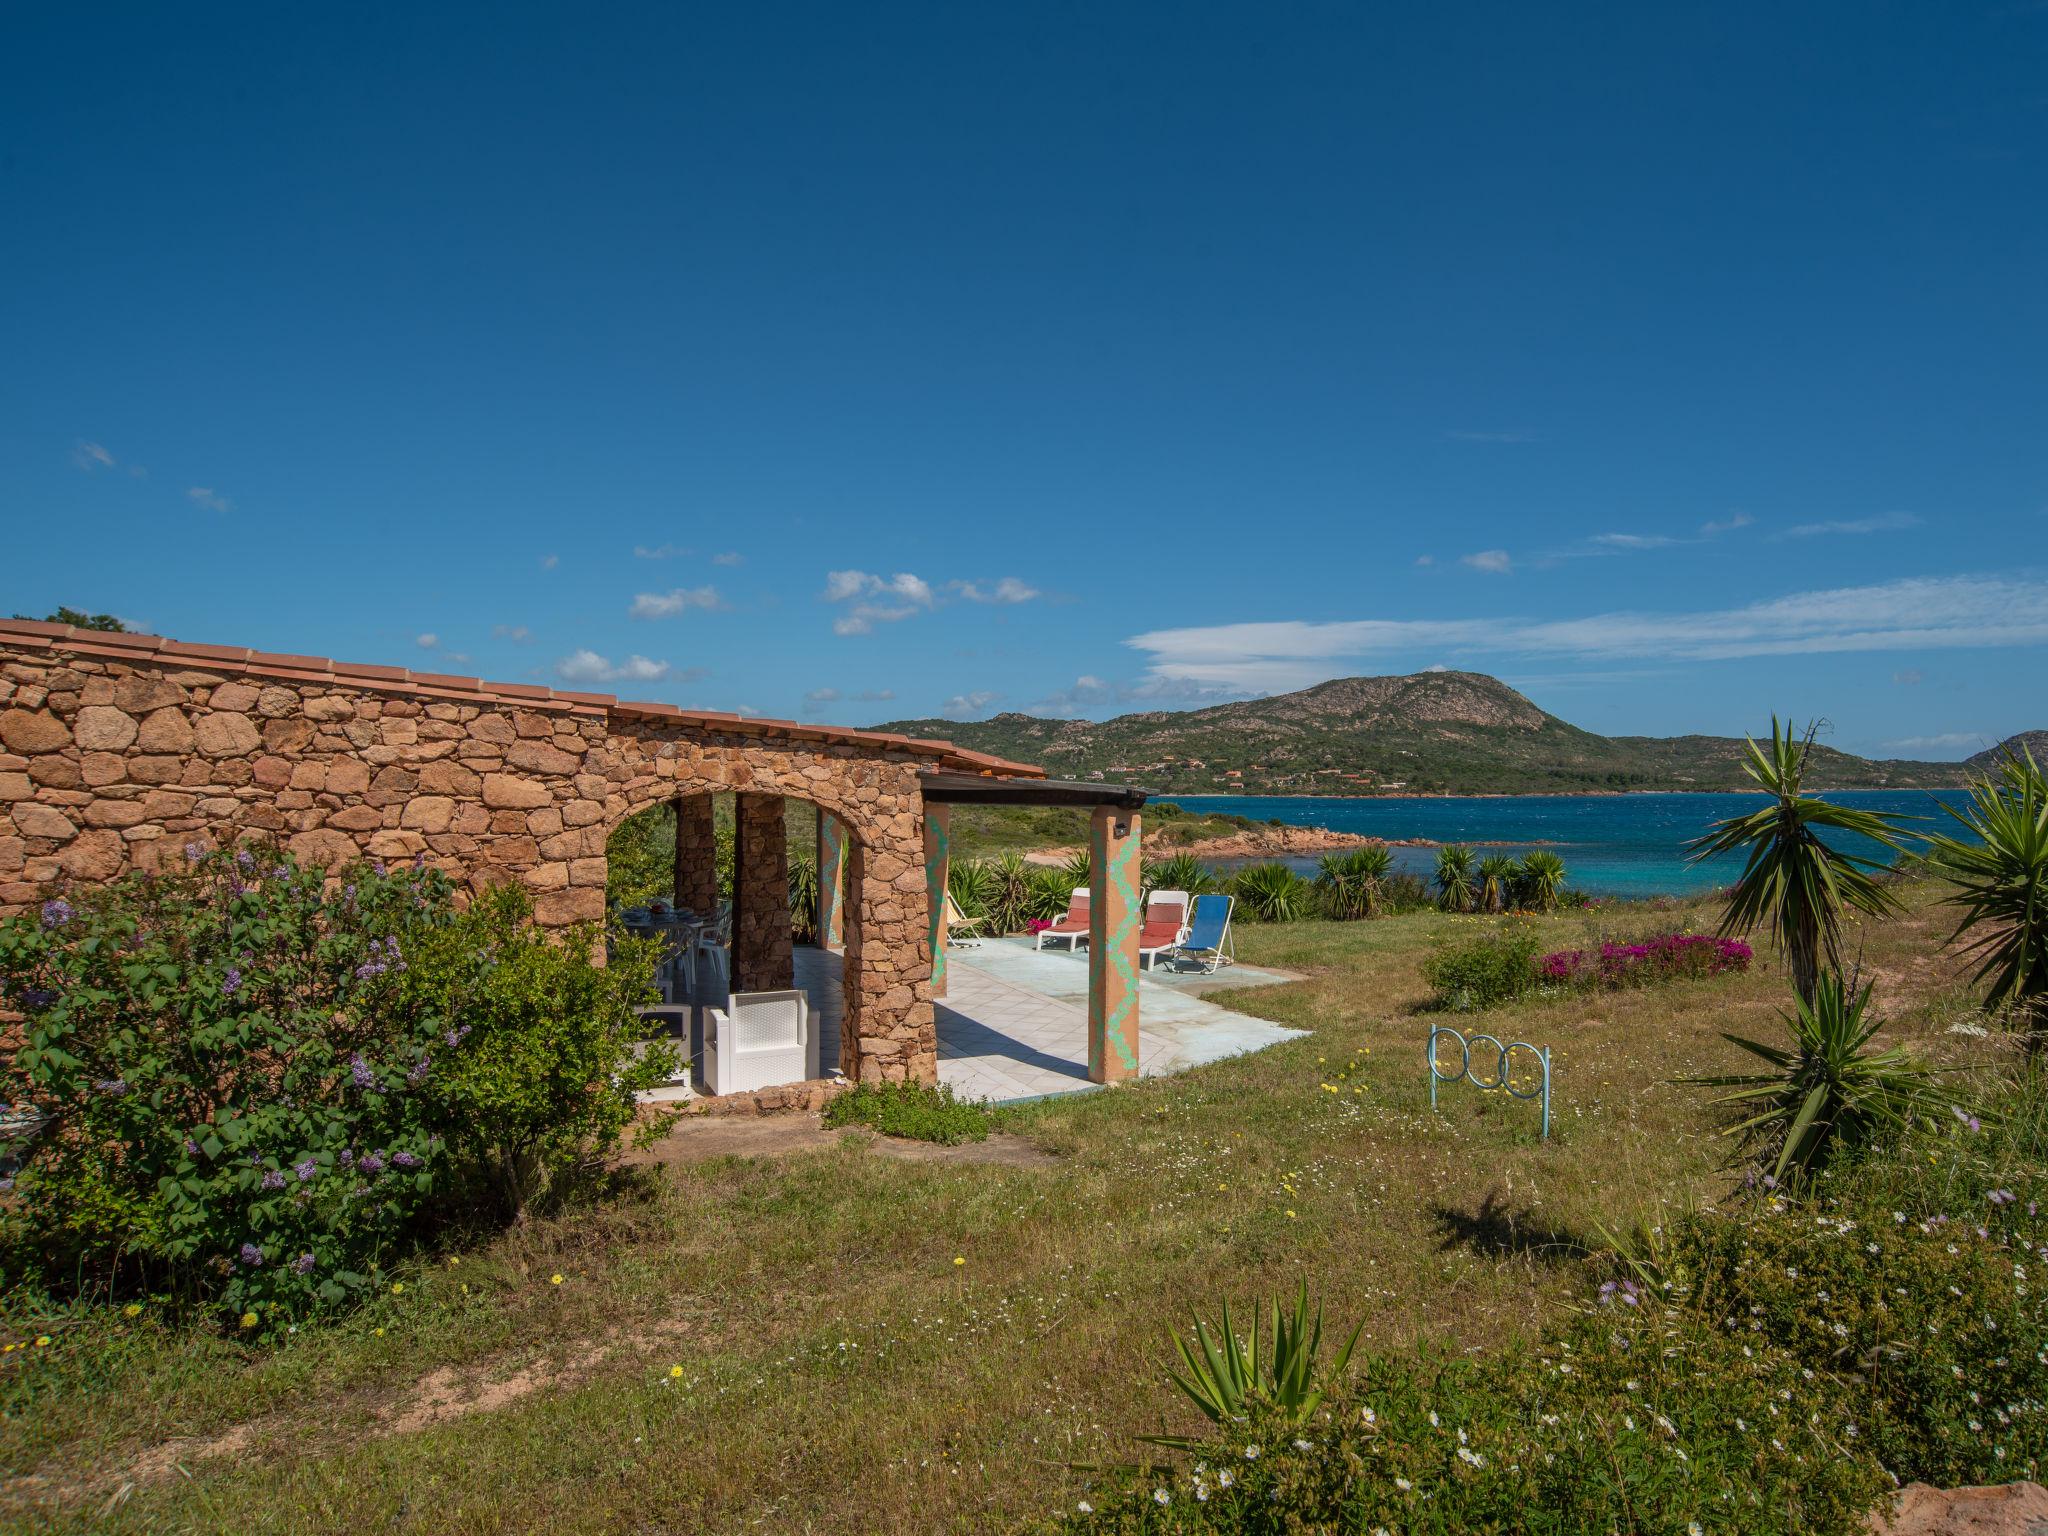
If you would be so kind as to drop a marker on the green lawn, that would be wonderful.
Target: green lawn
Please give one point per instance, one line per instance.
(871, 1343)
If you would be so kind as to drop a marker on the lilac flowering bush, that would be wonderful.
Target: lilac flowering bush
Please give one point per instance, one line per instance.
(1666, 957)
(254, 1097)
(190, 1036)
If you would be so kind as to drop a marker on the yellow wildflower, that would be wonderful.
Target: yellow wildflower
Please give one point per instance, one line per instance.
(398, 1289)
(675, 1371)
(133, 1309)
(43, 1342)
(250, 1319)
(554, 1279)
(957, 1259)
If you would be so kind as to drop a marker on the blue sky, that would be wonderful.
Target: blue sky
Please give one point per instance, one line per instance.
(857, 362)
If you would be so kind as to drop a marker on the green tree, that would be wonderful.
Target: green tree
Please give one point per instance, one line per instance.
(1795, 883)
(1455, 866)
(105, 622)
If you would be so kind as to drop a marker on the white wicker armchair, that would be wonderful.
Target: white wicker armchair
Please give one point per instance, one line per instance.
(759, 1040)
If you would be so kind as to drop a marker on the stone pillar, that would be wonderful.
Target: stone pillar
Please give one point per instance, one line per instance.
(696, 884)
(938, 863)
(887, 1034)
(1116, 911)
(831, 881)
(761, 941)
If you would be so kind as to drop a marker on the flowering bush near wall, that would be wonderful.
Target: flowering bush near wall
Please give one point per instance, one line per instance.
(1667, 957)
(251, 1091)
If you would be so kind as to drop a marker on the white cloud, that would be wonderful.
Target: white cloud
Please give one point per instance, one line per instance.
(729, 557)
(876, 695)
(662, 552)
(427, 642)
(1947, 741)
(1008, 590)
(1425, 559)
(666, 605)
(1910, 677)
(1712, 530)
(586, 666)
(518, 634)
(1517, 436)
(963, 706)
(1632, 540)
(549, 562)
(1921, 613)
(816, 700)
(1495, 561)
(207, 497)
(91, 456)
(1884, 522)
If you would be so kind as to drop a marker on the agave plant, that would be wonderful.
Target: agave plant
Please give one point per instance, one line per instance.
(2001, 877)
(1079, 869)
(1497, 874)
(1795, 883)
(1539, 881)
(1229, 1378)
(803, 900)
(1350, 883)
(1455, 891)
(1047, 892)
(1009, 897)
(1828, 1090)
(1272, 892)
(1179, 872)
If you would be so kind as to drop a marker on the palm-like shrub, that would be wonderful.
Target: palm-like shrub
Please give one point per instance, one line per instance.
(1046, 894)
(1009, 894)
(1455, 868)
(1079, 869)
(1496, 882)
(1229, 1379)
(1539, 881)
(1350, 883)
(803, 899)
(1179, 872)
(1271, 893)
(2001, 879)
(972, 884)
(1795, 883)
(1829, 1091)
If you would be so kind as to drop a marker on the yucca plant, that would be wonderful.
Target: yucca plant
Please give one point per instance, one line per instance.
(2001, 877)
(803, 900)
(1828, 1091)
(972, 883)
(1228, 1378)
(1179, 872)
(1271, 892)
(1047, 892)
(1795, 883)
(1455, 891)
(1009, 897)
(1350, 883)
(1539, 881)
(1079, 868)
(1497, 882)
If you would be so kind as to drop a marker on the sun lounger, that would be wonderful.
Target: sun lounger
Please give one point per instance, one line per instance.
(1166, 917)
(1072, 928)
(961, 930)
(1208, 943)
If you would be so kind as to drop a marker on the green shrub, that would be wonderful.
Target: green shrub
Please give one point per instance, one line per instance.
(1047, 890)
(1271, 893)
(1630, 1420)
(1349, 884)
(640, 857)
(1456, 877)
(914, 1111)
(1494, 968)
(1538, 881)
(249, 1105)
(803, 899)
(536, 1073)
(1180, 872)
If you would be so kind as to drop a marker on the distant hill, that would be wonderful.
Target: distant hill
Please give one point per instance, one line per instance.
(1428, 733)
(2035, 742)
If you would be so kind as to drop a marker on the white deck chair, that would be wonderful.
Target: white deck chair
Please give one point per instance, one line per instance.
(1166, 924)
(759, 1040)
(962, 931)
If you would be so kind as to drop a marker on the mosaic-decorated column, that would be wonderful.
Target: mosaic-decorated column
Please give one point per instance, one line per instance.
(761, 940)
(938, 856)
(1116, 910)
(831, 881)
(696, 878)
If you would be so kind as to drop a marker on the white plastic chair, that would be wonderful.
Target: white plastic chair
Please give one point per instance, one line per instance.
(760, 1040)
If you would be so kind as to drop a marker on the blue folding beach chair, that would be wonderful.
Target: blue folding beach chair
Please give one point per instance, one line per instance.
(1208, 942)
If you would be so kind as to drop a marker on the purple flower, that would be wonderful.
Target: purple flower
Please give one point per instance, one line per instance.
(191, 1147)
(252, 1256)
(113, 1086)
(1967, 1118)
(194, 852)
(305, 1168)
(404, 1160)
(38, 997)
(246, 859)
(273, 1178)
(56, 913)
(359, 1070)
(455, 1037)
(377, 865)
(371, 1164)
(348, 1157)
(231, 983)
(2001, 1197)
(418, 1074)
(303, 1264)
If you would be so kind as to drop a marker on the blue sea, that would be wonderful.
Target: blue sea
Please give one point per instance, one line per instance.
(1613, 845)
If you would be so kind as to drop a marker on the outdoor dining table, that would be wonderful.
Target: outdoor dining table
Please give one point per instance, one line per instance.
(681, 929)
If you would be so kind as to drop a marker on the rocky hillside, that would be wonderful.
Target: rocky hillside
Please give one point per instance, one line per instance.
(1431, 732)
(2035, 742)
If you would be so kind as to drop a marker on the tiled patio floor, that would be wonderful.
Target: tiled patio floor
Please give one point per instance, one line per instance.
(1014, 1022)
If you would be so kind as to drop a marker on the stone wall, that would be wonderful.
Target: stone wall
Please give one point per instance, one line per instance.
(117, 752)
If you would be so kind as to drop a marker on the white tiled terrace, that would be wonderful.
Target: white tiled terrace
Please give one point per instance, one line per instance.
(1014, 1022)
